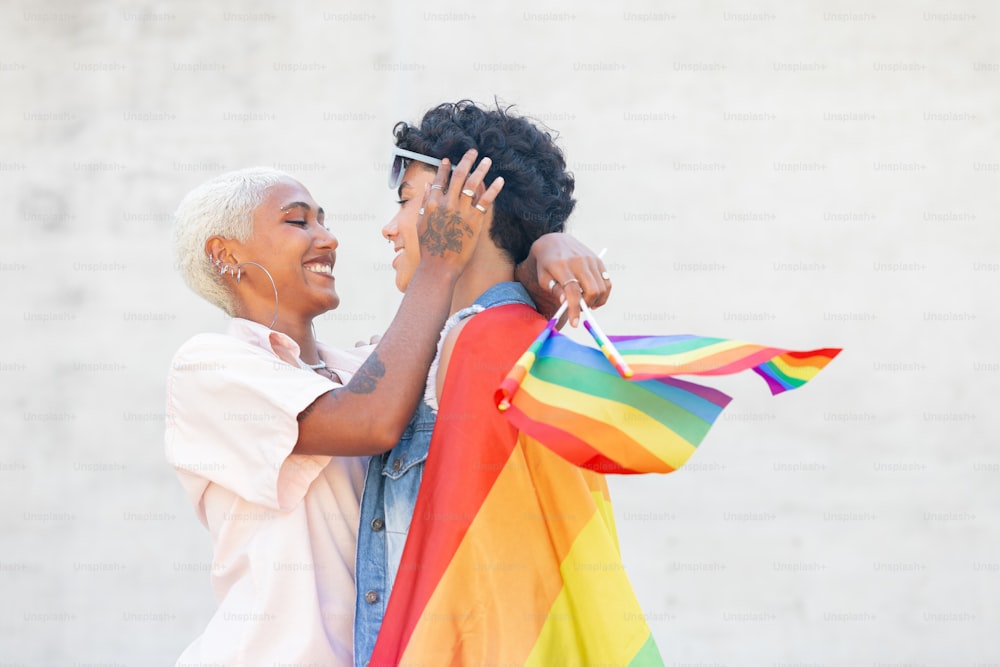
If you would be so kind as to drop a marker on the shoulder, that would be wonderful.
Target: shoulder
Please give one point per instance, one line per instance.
(214, 346)
(208, 361)
(490, 331)
(447, 347)
(448, 344)
(209, 342)
(498, 325)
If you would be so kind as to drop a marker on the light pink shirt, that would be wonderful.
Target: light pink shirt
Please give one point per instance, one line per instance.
(284, 526)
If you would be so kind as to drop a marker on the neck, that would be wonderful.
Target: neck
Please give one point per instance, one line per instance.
(485, 270)
(302, 334)
(298, 329)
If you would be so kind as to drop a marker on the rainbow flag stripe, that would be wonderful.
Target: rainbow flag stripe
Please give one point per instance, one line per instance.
(572, 398)
(513, 556)
(659, 356)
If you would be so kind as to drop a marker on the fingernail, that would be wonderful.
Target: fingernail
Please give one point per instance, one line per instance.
(576, 321)
(562, 298)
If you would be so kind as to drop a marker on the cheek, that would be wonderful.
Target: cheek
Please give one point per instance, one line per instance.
(413, 252)
(411, 239)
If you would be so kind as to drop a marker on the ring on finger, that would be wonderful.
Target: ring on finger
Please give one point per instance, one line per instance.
(571, 280)
(468, 192)
(437, 186)
(606, 275)
(480, 208)
(552, 283)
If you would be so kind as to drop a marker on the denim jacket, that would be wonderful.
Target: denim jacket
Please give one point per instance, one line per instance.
(389, 497)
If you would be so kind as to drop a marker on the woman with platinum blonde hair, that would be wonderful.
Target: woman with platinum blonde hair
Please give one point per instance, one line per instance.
(269, 430)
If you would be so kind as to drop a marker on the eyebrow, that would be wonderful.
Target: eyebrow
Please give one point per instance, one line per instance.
(301, 204)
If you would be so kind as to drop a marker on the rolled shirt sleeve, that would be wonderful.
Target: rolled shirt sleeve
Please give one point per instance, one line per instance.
(232, 420)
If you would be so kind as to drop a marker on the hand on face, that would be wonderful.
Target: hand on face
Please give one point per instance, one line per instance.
(421, 184)
(454, 212)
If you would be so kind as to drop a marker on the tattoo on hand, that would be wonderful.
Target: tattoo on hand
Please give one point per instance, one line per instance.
(367, 376)
(444, 233)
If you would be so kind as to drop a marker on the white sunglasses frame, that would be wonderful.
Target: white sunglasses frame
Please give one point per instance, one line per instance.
(401, 154)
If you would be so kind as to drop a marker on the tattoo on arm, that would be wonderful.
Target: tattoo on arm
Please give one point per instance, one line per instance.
(312, 406)
(443, 233)
(367, 377)
(363, 382)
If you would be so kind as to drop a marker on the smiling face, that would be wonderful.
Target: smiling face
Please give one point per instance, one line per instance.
(401, 231)
(290, 240)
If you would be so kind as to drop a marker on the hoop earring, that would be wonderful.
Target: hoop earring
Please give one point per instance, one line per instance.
(239, 274)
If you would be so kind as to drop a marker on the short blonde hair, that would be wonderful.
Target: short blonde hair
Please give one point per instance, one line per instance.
(222, 206)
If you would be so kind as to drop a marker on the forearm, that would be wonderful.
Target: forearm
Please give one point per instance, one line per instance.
(557, 263)
(370, 413)
(526, 273)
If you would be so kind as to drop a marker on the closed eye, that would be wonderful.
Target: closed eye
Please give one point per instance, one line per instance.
(301, 223)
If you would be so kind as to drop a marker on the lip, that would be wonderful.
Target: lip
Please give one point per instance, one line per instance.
(322, 261)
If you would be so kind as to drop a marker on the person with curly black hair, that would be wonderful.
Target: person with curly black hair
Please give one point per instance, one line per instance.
(536, 199)
(494, 545)
(540, 190)
(539, 187)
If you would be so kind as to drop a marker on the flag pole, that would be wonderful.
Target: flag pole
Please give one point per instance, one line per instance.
(603, 342)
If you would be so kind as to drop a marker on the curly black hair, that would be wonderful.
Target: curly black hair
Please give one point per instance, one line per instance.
(537, 195)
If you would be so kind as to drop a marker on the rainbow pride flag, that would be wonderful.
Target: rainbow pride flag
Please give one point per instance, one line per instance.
(513, 556)
(572, 398)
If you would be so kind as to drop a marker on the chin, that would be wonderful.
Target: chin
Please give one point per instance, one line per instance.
(402, 282)
(331, 303)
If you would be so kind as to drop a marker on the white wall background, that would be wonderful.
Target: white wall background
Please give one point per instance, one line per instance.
(797, 174)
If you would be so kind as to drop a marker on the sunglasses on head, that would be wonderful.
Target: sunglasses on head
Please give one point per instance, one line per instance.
(400, 158)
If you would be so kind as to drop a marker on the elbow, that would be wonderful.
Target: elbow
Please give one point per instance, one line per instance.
(383, 438)
(386, 434)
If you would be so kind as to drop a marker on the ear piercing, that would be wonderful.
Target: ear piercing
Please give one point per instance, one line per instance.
(223, 267)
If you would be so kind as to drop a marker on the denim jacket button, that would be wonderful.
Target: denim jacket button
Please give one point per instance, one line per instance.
(396, 465)
(377, 524)
(371, 597)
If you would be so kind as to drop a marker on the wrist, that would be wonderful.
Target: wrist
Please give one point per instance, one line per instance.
(523, 274)
(438, 271)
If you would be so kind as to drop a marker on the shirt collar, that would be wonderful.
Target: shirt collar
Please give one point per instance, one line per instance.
(280, 344)
(343, 362)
